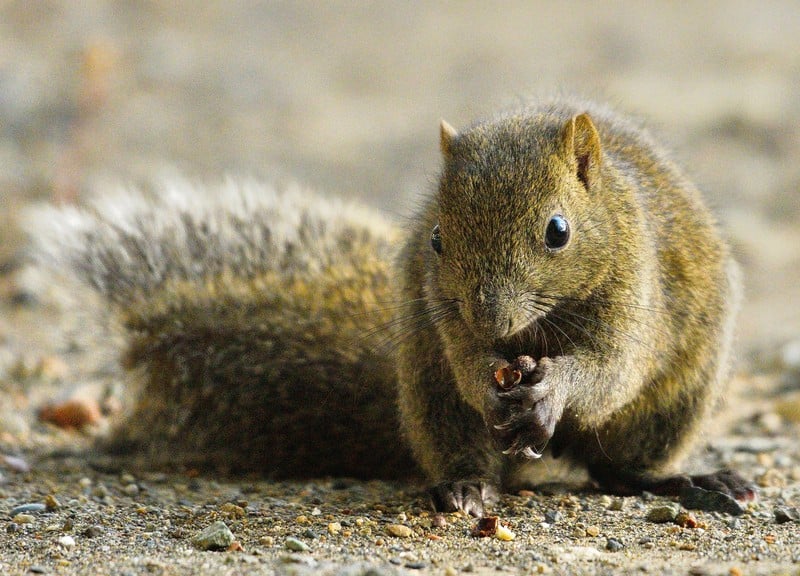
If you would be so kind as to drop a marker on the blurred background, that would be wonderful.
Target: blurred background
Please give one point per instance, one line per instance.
(346, 97)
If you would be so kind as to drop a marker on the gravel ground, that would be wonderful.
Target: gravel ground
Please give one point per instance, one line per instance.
(348, 99)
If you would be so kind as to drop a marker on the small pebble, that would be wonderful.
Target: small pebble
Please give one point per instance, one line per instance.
(334, 528)
(439, 521)
(73, 413)
(399, 530)
(785, 514)
(66, 541)
(553, 516)
(267, 541)
(100, 491)
(309, 533)
(415, 565)
(23, 519)
(593, 531)
(215, 537)
(51, 503)
(36, 569)
(616, 504)
(28, 509)
(232, 510)
(663, 514)
(15, 463)
(295, 545)
(131, 489)
(93, 531)
(614, 545)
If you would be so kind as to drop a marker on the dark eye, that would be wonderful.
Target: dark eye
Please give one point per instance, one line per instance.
(557, 234)
(436, 239)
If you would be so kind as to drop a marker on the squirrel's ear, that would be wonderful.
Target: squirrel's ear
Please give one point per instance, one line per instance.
(582, 145)
(446, 136)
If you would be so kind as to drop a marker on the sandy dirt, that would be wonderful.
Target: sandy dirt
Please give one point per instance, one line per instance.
(347, 99)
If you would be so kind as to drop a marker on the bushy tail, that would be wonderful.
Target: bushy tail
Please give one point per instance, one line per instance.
(247, 314)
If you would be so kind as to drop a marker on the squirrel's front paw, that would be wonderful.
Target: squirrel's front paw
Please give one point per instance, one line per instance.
(470, 496)
(524, 414)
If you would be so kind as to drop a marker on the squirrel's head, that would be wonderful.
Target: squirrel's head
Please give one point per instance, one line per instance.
(522, 223)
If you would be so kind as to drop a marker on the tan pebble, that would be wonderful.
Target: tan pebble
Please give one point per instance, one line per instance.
(232, 510)
(771, 422)
(616, 504)
(52, 367)
(439, 521)
(450, 571)
(578, 532)
(765, 459)
(734, 571)
(789, 409)
(267, 541)
(302, 519)
(22, 518)
(334, 528)
(235, 546)
(347, 533)
(51, 502)
(593, 531)
(772, 478)
(380, 542)
(402, 517)
(399, 530)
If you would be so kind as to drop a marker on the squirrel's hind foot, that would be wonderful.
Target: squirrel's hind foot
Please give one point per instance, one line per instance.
(725, 481)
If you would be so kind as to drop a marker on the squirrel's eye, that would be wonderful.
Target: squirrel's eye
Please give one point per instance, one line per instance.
(557, 234)
(436, 239)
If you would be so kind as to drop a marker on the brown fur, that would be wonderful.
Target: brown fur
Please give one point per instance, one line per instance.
(636, 311)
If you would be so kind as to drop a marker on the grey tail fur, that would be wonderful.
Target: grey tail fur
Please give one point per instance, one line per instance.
(246, 316)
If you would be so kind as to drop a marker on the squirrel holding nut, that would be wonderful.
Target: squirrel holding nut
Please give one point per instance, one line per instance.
(563, 290)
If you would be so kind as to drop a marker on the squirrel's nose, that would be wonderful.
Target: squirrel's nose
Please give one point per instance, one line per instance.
(490, 316)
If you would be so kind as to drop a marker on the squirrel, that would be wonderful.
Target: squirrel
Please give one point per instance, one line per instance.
(296, 336)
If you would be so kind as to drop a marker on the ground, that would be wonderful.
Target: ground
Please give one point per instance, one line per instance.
(347, 99)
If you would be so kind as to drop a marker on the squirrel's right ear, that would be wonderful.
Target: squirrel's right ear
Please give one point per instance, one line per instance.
(581, 144)
(446, 136)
